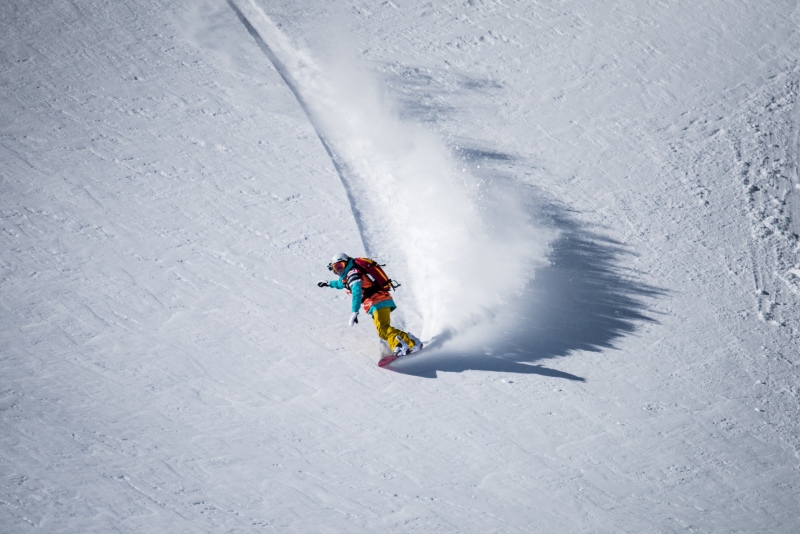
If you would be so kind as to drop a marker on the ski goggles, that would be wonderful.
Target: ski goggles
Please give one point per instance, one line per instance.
(337, 267)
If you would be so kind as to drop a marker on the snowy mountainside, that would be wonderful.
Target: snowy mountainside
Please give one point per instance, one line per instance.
(169, 365)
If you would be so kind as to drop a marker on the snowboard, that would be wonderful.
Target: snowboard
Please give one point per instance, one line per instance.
(386, 360)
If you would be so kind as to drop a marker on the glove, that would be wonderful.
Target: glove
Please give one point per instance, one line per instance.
(323, 284)
(353, 319)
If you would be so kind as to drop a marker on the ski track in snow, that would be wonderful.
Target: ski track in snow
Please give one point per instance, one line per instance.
(408, 195)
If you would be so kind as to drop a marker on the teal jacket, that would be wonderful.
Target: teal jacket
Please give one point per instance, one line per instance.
(351, 279)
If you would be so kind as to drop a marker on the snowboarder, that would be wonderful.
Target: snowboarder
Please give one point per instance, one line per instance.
(373, 297)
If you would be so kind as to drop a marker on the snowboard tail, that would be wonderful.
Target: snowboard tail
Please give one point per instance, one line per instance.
(386, 360)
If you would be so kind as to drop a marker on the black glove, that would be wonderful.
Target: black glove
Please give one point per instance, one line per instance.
(323, 284)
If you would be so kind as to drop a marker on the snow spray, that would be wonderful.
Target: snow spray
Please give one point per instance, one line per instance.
(467, 248)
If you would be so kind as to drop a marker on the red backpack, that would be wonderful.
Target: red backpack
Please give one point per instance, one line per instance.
(374, 271)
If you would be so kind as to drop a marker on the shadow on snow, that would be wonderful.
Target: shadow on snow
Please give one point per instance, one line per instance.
(584, 300)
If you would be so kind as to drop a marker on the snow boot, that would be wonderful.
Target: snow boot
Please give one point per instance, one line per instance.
(417, 344)
(402, 347)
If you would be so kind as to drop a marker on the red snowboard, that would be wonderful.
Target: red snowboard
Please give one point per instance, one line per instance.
(386, 360)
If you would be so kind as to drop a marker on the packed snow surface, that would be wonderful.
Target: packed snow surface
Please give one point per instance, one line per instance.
(593, 209)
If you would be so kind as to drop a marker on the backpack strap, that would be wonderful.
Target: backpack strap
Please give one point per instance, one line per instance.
(350, 277)
(374, 288)
(369, 291)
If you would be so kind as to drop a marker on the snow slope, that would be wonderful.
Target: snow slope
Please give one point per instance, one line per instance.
(175, 178)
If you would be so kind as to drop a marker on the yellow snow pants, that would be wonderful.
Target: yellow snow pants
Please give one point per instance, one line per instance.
(386, 331)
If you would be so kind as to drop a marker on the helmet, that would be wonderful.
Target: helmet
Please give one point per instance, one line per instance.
(340, 257)
(338, 262)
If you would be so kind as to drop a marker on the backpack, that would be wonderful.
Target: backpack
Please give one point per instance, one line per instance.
(374, 271)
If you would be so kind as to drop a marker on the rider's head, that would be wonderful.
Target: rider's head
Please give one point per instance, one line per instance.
(338, 262)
